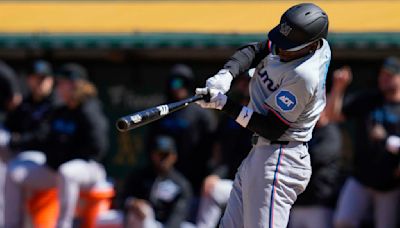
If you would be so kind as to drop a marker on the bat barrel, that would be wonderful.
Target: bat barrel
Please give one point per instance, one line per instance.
(138, 119)
(149, 115)
(122, 124)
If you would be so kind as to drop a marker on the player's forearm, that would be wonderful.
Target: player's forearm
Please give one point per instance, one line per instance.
(334, 106)
(246, 58)
(268, 126)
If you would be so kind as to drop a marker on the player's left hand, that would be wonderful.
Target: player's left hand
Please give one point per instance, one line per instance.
(221, 81)
(217, 101)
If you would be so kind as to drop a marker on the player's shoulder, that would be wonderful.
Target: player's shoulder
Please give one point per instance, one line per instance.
(311, 70)
(308, 76)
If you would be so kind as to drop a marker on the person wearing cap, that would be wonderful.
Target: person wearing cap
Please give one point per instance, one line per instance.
(78, 138)
(157, 194)
(287, 95)
(180, 83)
(24, 121)
(74, 139)
(10, 98)
(375, 175)
(26, 140)
(191, 128)
(10, 94)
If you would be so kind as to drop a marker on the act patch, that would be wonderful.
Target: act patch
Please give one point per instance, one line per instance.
(286, 100)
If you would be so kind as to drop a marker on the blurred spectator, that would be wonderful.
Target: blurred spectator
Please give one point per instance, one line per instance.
(314, 208)
(191, 128)
(10, 96)
(76, 136)
(375, 174)
(159, 193)
(24, 122)
(232, 145)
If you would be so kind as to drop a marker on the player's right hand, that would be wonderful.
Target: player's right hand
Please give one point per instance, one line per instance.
(221, 81)
(217, 99)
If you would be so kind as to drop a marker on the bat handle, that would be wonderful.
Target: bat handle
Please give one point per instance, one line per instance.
(198, 97)
(205, 97)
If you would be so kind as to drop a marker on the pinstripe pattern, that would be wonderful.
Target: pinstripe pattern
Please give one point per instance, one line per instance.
(274, 183)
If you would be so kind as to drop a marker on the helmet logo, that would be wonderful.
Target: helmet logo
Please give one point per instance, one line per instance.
(285, 29)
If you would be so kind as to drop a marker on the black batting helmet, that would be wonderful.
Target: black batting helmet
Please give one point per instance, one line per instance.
(301, 24)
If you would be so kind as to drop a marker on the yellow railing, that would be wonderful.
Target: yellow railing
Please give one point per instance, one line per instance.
(187, 16)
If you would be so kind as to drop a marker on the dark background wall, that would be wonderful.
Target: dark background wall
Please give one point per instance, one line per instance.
(129, 81)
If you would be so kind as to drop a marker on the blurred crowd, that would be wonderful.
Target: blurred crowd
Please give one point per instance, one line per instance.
(53, 139)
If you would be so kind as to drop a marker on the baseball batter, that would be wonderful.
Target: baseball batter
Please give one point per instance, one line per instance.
(287, 95)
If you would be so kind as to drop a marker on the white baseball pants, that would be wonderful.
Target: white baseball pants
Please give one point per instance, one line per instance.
(266, 186)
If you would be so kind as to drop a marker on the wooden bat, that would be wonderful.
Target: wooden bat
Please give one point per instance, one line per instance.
(149, 115)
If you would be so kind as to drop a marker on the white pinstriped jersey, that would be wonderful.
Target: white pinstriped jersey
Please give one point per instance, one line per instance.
(294, 91)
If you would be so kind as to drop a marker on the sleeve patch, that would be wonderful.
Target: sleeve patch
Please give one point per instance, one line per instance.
(286, 100)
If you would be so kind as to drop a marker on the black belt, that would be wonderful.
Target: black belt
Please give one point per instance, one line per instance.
(254, 140)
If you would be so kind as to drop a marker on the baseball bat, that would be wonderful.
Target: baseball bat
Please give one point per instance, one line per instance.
(149, 115)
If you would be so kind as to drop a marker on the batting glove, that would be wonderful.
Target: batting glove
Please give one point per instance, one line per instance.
(217, 100)
(221, 81)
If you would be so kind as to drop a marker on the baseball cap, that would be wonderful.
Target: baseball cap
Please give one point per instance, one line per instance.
(41, 67)
(392, 64)
(165, 144)
(177, 83)
(72, 71)
(181, 76)
(299, 26)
